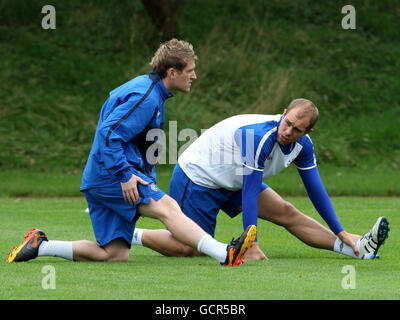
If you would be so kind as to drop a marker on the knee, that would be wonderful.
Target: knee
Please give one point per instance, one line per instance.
(289, 213)
(170, 208)
(116, 251)
(122, 256)
(289, 209)
(185, 251)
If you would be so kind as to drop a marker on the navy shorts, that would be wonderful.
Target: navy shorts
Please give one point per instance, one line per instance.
(112, 217)
(203, 204)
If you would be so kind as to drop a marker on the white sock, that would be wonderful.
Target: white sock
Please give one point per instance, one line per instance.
(212, 248)
(137, 236)
(62, 249)
(345, 249)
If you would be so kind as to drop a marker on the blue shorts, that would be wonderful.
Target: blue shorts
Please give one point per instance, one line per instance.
(203, 204)
(112, 217)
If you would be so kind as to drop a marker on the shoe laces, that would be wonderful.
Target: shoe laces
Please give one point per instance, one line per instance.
(368, 236)
(234, 241)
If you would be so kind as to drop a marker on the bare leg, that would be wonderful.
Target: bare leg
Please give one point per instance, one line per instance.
(185, 230)
(85, 250)
(273, 208)
(169, 213)
(162, 241)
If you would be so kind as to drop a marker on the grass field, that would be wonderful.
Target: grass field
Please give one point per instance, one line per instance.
(377, 180)
(294, 270)
(252, 59)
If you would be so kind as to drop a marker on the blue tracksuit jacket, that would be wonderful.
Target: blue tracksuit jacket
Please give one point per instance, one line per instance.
(119, 146)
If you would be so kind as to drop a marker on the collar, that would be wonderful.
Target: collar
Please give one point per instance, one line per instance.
(156, 78)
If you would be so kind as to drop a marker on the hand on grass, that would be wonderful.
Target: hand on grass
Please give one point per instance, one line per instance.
(255, 253)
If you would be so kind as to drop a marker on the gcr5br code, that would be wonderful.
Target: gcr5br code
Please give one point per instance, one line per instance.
(222, 309)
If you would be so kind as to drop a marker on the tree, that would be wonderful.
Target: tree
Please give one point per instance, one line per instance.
(164, 15)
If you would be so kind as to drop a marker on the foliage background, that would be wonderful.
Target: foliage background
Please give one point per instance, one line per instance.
(254, 57)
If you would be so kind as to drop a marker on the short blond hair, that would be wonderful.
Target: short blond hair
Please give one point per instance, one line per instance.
(305, 109)
(172, 54)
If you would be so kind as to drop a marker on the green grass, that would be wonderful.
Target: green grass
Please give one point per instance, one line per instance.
(253, 58)
(373, 180)
(294, 270)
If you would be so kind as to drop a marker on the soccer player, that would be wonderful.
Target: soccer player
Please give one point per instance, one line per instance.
(119, 180)
(224, 170)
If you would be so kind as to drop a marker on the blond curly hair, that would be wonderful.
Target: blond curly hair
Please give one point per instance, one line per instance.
(172, 54)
